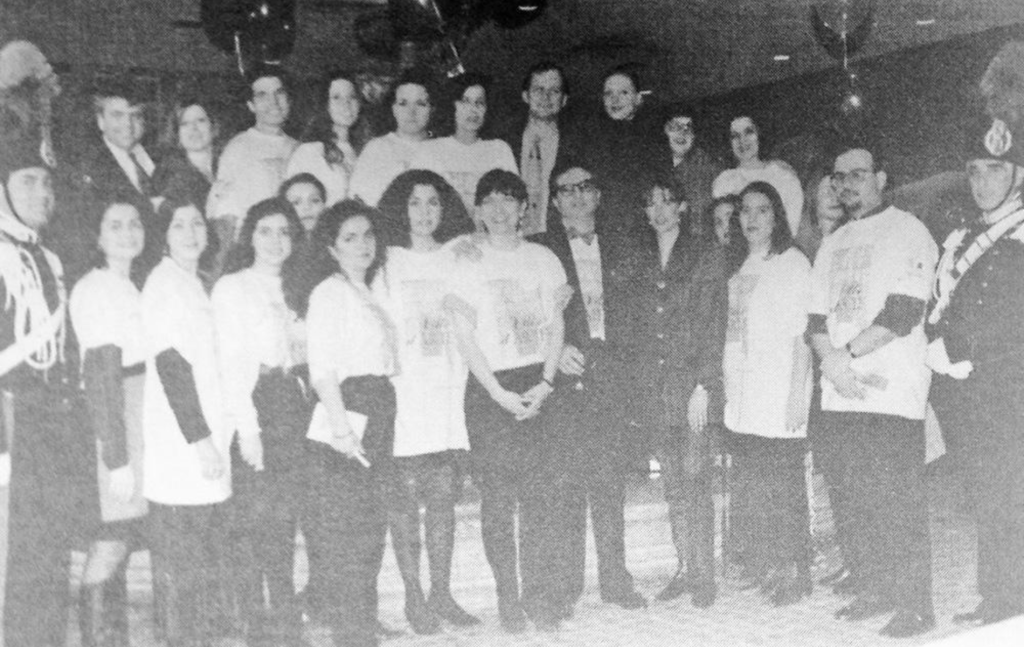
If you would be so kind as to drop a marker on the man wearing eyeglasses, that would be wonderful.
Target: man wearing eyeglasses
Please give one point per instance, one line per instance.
(539, 141)
(871, 281)
(588, 417)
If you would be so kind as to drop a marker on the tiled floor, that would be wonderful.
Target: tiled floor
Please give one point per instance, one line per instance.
(738, 617)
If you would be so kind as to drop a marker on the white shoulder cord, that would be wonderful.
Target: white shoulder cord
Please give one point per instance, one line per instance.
(32, 313)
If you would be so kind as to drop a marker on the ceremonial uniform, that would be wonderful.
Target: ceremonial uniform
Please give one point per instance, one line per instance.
(43, 445)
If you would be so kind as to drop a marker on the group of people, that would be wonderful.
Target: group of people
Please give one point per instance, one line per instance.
(328, 336)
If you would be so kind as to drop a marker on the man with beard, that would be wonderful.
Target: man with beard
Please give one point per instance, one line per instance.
(870, 284)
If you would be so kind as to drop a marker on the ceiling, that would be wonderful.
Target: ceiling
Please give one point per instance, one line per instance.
(696, 48)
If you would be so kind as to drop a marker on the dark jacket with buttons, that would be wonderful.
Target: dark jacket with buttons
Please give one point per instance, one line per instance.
(678, 319)
(982, 322)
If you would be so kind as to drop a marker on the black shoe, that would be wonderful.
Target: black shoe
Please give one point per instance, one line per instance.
(679, 584)
(840, 573)
(627, 600)
(791, 590)
(446, 608)
(703, 594)
(545, 619)
(866, 606)
(970, 617)
(846, 585)
(513, 618)
(908, 623)
(421, 618)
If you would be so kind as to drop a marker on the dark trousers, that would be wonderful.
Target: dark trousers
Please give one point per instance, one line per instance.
(770, 492)
(429, 478)
(349, 522)
(42, 520)
(984, 416)
(265, 508)
(187, 540)
(883, 476)
(691, 508)
(510, 467)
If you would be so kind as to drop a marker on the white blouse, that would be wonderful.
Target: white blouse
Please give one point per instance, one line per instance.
(309, 158)
(254, 329)
(106, 309)
(177, 314)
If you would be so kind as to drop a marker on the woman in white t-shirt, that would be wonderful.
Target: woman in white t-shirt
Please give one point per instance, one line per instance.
(261, 349)
(187, 476)
(766, 369)
(412, 103)
(351, 351)
(106, 311)
(507, 310)
(332, 142)
(463, 157)
(422, 212)
(745, 138)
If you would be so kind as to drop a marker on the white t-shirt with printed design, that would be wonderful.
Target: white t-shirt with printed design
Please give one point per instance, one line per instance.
(431, 387)
(857, 267)
(463, 166)
(768, 301)
(514, 294)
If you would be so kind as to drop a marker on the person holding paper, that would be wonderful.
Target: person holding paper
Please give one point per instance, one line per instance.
(766, 373)
(352, 355)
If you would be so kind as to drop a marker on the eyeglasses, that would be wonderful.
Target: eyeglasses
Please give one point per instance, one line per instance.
(857, 176)
(583, 186)
(679, 126)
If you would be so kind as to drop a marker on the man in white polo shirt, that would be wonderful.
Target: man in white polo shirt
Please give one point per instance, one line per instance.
(871, 281)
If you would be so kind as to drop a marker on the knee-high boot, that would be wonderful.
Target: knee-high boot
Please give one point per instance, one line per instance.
(115, 603)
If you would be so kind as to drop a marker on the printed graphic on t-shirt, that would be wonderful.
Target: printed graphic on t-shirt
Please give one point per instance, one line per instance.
(847, 277)
(425, 321)
(519, 314)
(739, 300)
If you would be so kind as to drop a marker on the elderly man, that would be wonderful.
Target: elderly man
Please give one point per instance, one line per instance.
(872, 278)
(977, 354)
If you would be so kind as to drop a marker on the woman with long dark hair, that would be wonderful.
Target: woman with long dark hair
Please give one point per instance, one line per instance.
(352, 355)
(766, 368)
(191, 138)
(261, 343)
(106, 311)
(334, 138)
(421, 213)
(187, 476)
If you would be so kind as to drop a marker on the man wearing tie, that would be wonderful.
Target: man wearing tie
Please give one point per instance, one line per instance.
(539, 141)
(586, 453)
(119, 164)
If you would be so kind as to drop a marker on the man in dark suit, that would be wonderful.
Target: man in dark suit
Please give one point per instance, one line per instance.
(539, 139)
(677, 318)
(587, 420)
(118, 163)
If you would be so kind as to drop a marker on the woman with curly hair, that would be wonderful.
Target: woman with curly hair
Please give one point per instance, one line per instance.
(352, 355)
(422, 212)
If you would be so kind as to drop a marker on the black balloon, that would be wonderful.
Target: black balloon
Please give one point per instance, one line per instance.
(258, 30)
(512, 14)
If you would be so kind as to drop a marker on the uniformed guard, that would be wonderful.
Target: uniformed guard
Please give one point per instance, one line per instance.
(36, 406)
(978, 353)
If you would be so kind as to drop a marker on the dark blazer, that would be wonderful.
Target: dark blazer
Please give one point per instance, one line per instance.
(176, 177)
(101, 175)
(612, 250)
(677, 317)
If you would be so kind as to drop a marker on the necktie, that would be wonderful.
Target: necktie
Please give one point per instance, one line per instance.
(145, 186)
(533, 176)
